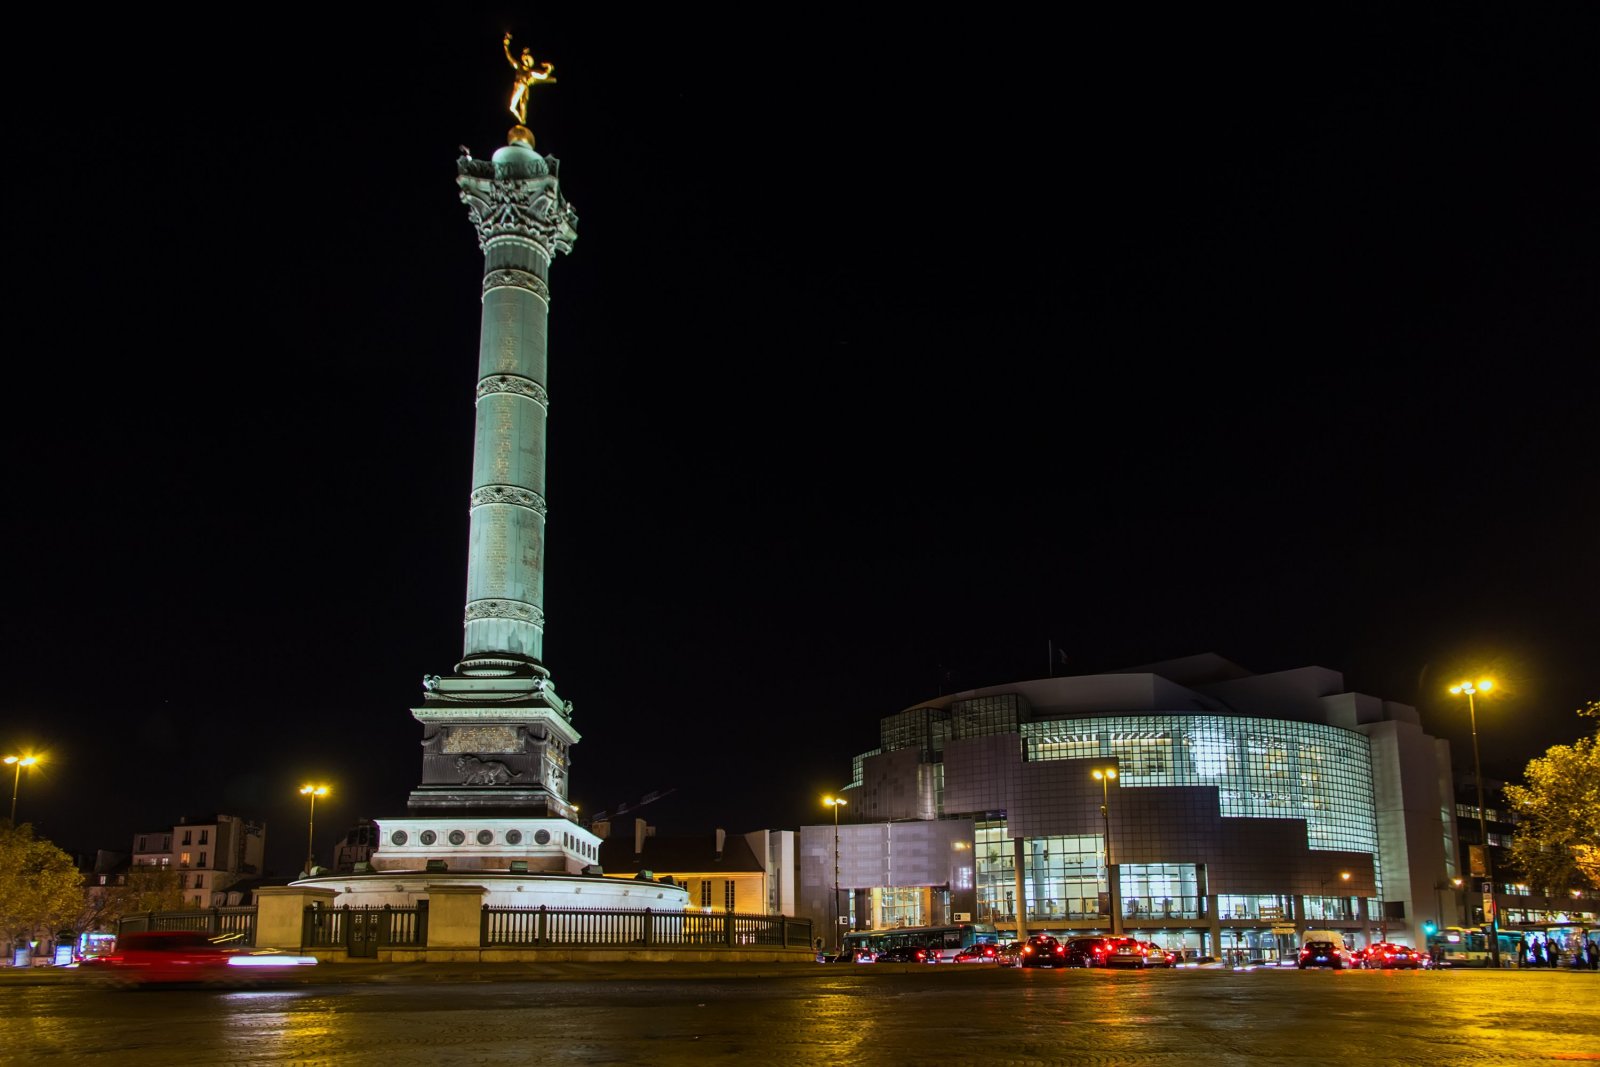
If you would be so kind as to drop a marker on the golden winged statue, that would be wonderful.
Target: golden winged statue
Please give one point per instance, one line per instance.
(529, 73)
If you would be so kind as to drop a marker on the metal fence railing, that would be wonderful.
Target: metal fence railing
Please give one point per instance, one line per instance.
(238, 924)
(362, 931)
(546, 926)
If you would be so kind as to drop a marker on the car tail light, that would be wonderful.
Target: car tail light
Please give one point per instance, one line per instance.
(1028, 950)
(1060, 951)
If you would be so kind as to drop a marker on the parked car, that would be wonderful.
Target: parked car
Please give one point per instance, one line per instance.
(189, 957)
(905, 954)
(985, 953)
(1386, 955)
(1088, 951)
(1128, 952)
(1042, 950)
(1009, 954)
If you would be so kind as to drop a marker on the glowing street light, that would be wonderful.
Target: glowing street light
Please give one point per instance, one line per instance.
(18, 762)
(835, 803)
(312, 791)
(1105, 777)
(1471, 690)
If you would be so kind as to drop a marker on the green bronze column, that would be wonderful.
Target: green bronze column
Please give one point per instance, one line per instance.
(523, 221)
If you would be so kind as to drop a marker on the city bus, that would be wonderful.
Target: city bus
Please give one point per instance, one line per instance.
(945, 940)
(1456, 946)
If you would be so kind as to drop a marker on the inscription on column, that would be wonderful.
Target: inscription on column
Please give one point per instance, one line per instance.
(482, 739)
(510, 336)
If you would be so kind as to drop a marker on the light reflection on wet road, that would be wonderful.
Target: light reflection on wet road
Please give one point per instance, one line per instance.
(859, 1015)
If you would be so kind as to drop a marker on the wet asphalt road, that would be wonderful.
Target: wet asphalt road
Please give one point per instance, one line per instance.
(822, 1015)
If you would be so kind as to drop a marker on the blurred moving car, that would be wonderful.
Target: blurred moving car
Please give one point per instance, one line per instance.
(1386, 955)
(186, 956)
(985, 953)
(1042, 950)
(1088, 951)
(905, 954)
(1160, 957)
(1128, 952)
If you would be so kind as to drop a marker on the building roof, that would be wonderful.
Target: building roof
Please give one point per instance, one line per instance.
(680, 855)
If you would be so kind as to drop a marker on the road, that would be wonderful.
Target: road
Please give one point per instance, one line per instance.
(669, 1014)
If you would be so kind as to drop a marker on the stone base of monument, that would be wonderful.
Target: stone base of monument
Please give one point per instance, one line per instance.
(518, 862)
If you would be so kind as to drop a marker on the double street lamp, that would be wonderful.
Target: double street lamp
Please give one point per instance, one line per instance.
(835, 803)
(18, 762)
(1105, 777)
(312, 791)
(1471, 689)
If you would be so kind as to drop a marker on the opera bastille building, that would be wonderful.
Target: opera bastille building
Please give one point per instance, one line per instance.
(1237, 808)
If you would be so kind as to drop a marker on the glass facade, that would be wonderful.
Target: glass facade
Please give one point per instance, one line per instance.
(1262, 768)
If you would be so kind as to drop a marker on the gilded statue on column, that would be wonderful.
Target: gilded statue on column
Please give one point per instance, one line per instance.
(528, 74)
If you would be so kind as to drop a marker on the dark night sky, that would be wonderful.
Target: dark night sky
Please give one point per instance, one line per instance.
(886, 355)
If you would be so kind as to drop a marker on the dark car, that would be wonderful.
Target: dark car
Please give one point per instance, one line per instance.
(1088, 951)
(1042, 950)
(1324, 954)
(1128, 952)
(189, 957)
(1385, 955)
(1009, 954)
(904, 954)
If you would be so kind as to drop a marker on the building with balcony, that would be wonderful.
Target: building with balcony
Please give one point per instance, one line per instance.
(210, 855)
(1243, 808)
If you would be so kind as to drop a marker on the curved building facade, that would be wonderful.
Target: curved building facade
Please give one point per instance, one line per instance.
(1243, 809)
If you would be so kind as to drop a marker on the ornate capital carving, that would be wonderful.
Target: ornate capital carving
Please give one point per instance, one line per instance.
(511, 278)
(505, 609)
(510, 494)
(512, 383)
(531, 208)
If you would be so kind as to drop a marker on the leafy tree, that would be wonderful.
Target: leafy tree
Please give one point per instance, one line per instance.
(41, 890)
(146, 888)
(1558, 837)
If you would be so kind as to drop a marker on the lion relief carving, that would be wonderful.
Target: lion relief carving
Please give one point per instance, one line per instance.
(476, 771)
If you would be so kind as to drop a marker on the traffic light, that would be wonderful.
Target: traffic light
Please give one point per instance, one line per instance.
(1429, 928)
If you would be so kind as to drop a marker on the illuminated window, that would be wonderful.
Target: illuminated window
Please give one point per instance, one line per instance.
(184, 860)
(728, 894)
(705, 892)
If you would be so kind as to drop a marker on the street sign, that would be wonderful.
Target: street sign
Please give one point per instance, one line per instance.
(1283, 928)
(1272, 912)
(844, 920)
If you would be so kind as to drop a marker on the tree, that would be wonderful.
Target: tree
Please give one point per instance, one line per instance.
(1558, 834)
(145, 889)
(41, 890)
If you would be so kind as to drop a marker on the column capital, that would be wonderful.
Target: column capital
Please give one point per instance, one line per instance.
(518, 196)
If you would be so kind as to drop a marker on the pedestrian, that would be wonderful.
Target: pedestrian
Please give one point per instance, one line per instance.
(1538, 953)
(1522, 954)
(1594, 955)
(1553, 952)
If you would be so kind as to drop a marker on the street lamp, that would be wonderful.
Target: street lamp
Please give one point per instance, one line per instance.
(835, 803)
(312, 791)
(1344, 876)
(1471, 690)
(18, 762)
(1113, 890)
